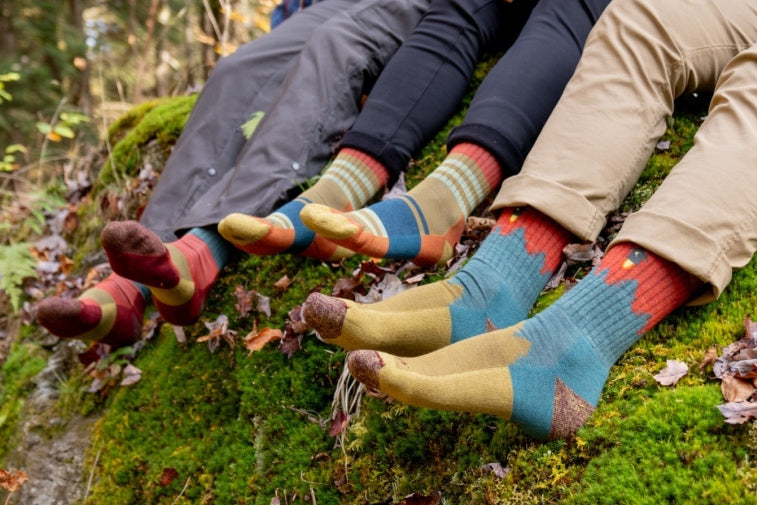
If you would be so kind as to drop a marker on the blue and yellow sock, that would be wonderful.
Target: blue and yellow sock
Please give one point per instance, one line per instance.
(545, 374)
(495, 289)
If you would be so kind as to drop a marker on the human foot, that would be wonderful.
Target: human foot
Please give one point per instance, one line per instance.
(495, 289)
(179, 275)
(110, 313)
(423, 225)
(545, 374)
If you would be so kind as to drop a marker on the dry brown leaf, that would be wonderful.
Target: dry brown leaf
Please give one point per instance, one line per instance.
(12, 481)
(710, 356)
(290, 344)
(735, 389)
(419, 499)
(255, 340)
(672, 373)
(738, 412)
(167, 476)
(244, 300)
(219, 330)
(295, 321)
(283, 283)
(264, 304)
(338, 423)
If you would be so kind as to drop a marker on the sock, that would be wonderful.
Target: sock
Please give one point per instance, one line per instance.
(423, 225)
(350, 181)
(546, 373)
(179, 274)
(495, 289)
(110, 313)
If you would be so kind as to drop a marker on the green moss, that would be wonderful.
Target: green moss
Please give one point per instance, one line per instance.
(160, 120)
(25, 360)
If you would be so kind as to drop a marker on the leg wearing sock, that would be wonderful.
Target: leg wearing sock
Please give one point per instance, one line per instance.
(423, 225)
(495, 289)
(111, 313)
(179, 275)
(351, 180)
(545, 374)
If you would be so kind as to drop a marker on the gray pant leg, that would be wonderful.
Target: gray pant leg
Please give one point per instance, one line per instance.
(319, 101)
(241, 84)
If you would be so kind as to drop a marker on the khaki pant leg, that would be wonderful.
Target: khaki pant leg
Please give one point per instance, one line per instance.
(640, 56)
(704, 215)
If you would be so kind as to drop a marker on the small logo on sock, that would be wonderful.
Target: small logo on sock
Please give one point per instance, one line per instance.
(635, 256)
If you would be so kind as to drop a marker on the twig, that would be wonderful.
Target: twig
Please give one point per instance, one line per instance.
(92, 473)
(186, 484)
(42, 150)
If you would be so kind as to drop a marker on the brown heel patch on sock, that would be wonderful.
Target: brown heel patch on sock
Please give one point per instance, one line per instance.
(570, 412)
(365, 367)
(325, 314)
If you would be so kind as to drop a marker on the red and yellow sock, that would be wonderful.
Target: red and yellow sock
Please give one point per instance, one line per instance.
(110, 313)
(179, 274)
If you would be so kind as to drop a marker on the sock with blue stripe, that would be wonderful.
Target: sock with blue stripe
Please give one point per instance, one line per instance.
(423, 225)
(350, 181)
(545, 374)
(495, 289)
(179, 274)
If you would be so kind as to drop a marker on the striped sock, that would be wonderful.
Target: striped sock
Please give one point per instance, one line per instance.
(495, 289)
(110, 313)
(350, 181)
(179, 274)
(545, 374)
(423, 225)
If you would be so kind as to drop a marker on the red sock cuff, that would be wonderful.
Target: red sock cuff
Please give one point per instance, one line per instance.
(543, 234)
(483, 159)
(378, 169)
(662, 285)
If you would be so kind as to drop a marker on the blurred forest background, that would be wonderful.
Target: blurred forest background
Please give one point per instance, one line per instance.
(69, 67)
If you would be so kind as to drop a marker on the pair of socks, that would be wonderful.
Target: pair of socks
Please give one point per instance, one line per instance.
(423, 225)
(178, 276)
(544, 373)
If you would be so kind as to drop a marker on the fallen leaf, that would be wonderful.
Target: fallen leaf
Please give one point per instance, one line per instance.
(389, 286)
(338, 423)
(290, 344)
(710, 356)
(295, 321)
(264, 304)
(255, 340)
(12, 481)
(419, 499)
(132, 375)
(244, 300)
(283, 283)
(219, 330)
(168, 476)
(346, 288)
(672, 373)
(738, 412)
(735, 389)
(497, 469)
